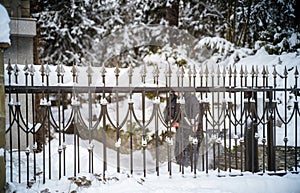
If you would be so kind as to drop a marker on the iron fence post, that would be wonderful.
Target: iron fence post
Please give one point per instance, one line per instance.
(270, 134)
(251, 144)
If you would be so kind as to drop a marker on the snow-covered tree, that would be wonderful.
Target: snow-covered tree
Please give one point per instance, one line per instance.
(72, 29)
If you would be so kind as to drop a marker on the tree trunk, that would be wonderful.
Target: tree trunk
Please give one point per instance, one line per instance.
(247, 23)
(172, 13)
(297, 14)
(228, 30)
(234, 39)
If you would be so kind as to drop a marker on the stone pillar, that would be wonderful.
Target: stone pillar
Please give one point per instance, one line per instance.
(3, 46)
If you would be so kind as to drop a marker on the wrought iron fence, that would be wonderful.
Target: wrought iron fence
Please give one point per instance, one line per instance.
(248, 119)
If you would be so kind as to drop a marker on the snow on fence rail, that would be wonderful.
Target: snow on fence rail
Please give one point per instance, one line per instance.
(102, 119)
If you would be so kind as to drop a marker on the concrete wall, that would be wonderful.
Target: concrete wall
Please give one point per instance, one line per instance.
(22, 32)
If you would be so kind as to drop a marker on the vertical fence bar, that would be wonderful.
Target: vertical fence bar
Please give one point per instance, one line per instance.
(274, 120)
(130, 104)
(285, 140)
(213, 118)
(180, 146)
(143, 75)
(59, 150)
(34, 147)
(26, 122)
(10, 105)
(296, 74)
(206, 120)
(197, 126)
(235, 122)
(229, 103)
(265, 83)
(156, 139)
(48, 108)
(90, 114)
(60, 127)
(168, 75)
(75, 108)
(224, 109)
(104, 128)
(131, 130)
(156, 108)
(17, 108)
(201, 120)
(218, 122)
(117, 71)
(242, 140)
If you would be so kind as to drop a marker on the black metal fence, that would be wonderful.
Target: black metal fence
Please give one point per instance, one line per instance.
(249, 118)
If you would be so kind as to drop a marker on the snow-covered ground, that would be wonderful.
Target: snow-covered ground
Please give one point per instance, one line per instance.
(125, 182)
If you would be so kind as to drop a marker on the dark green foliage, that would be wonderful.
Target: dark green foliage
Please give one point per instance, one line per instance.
(70, 30)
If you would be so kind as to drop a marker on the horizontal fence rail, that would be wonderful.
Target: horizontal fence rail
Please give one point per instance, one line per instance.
(248, 120)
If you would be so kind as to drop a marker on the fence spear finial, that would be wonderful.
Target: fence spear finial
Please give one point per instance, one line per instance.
(235, 71)
(9, 68)
(130, 73)
(274, 72)
(267, 71)
(190, 73)
(74, 72)
(168, 71)
(285, 73)
(296, 73)
(31, 70)
(180, 72)
(206, 70)
(89, 70)
(26, 68)
(256, 70)
(212, 71)
(16, 70)
(253, 71)
(156, 73)
(194, 70)
(42, 70)
(218, 71)
(201, 71)
(224, 71)
(242, 71)
(144, 73)
(230, 71)
(58, 70)
(264, 73)
(47, 70)
(246, 73)
(117, 73)
(117, 70)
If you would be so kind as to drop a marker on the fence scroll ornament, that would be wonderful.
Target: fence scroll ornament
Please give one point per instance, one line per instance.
(238, 112)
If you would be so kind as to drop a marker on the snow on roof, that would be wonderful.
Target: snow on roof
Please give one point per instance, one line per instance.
(4, 25)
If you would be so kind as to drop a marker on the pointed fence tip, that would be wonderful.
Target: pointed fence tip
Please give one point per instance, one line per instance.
(296, 73)
(285, 73)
